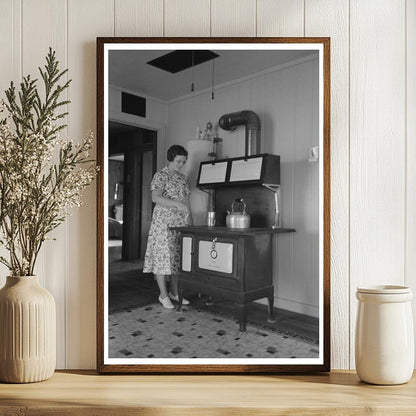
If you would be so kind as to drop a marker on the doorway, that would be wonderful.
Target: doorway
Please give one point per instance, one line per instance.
(132, 162)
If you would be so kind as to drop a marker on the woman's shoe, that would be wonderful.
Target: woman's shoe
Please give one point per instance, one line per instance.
(176, 299)
(166, 303)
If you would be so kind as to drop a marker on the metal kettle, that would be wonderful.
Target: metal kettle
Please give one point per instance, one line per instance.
(238, 219)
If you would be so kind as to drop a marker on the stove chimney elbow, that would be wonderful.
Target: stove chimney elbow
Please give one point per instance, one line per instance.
(251, 121)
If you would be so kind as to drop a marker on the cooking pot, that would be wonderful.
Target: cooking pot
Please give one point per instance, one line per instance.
(238, 219)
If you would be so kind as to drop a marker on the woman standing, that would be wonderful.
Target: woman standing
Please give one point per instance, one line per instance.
(170, 192)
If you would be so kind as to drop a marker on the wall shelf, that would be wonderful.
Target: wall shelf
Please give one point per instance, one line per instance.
(86, 392)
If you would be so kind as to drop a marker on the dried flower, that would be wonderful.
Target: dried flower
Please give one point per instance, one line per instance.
(42, 176)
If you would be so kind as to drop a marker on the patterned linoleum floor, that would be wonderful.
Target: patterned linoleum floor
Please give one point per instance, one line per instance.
(152, 331)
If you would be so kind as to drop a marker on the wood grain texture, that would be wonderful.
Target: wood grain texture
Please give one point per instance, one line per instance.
(138, 17)
(280, 18)
(85, 393)
(326, 119)
(85, 20)
(233, 18)
(410, 276)
(36, 40)
(331, 18)
(377, 147)
(187, 18)
(101, 208)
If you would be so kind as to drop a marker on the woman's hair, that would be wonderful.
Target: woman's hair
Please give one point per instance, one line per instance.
(174, 151)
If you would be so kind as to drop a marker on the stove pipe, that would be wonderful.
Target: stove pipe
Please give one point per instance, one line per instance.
(252, 122)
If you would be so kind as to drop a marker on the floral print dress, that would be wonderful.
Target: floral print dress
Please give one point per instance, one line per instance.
(163, 245)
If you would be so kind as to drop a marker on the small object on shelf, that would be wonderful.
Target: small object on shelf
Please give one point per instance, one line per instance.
(384, 341)
(27, 331)
(209, 132)
(211, 219)
(237, 218)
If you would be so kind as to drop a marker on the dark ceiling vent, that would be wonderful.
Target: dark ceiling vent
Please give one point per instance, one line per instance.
(133, 104)
(177, 61)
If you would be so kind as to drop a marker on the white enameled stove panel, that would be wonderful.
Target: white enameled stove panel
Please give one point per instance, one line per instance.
(217, 257)
(212, 173)
(186, 254)
(246, 170)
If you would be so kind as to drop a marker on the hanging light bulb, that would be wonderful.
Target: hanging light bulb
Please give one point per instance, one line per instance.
(212, 88)
(192, 69)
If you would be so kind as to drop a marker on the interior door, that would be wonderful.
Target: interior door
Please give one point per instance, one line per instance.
(146, 202)
(132, 204)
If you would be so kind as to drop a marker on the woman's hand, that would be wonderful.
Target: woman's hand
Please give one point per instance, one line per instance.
(181, 207)
(188, 219)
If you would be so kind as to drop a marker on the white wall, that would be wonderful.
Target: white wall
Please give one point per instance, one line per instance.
(373, 113)
(286, 101)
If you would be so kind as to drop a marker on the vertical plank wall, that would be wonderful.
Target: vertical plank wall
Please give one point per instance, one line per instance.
(52, 266)
(377, 146)
(138, 17)
(10, 62)
(373, 153)
(85, 20)
(410, 91)
(233, 18)
(331, 18)
(284, 101)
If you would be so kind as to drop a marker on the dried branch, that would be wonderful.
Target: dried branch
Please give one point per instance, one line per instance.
(37, 194)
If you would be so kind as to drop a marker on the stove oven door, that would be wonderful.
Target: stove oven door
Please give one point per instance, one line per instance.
(216, 256)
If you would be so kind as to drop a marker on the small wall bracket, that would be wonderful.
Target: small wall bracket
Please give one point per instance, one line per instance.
(277, 217)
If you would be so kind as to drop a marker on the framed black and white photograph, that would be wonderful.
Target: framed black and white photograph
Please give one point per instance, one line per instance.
(213, 222)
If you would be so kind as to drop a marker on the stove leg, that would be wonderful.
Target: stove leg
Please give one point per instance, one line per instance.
(270, 299)
(180, 298)
(242, 315)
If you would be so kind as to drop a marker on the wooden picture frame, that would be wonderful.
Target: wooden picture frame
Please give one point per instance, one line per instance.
(109, 97)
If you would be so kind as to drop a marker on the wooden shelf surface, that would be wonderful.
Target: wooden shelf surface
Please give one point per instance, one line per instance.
(87, 393)
(225, 231)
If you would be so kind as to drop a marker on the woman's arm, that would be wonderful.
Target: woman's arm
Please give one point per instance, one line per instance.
(157, 198)
(189, 219)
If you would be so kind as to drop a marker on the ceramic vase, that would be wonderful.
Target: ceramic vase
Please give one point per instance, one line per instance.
(27, 331)
(384, 341)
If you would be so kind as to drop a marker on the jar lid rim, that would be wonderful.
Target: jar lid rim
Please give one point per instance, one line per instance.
(384, 289)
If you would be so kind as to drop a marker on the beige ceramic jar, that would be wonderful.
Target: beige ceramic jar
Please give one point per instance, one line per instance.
(27, 331)
(384, 342)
